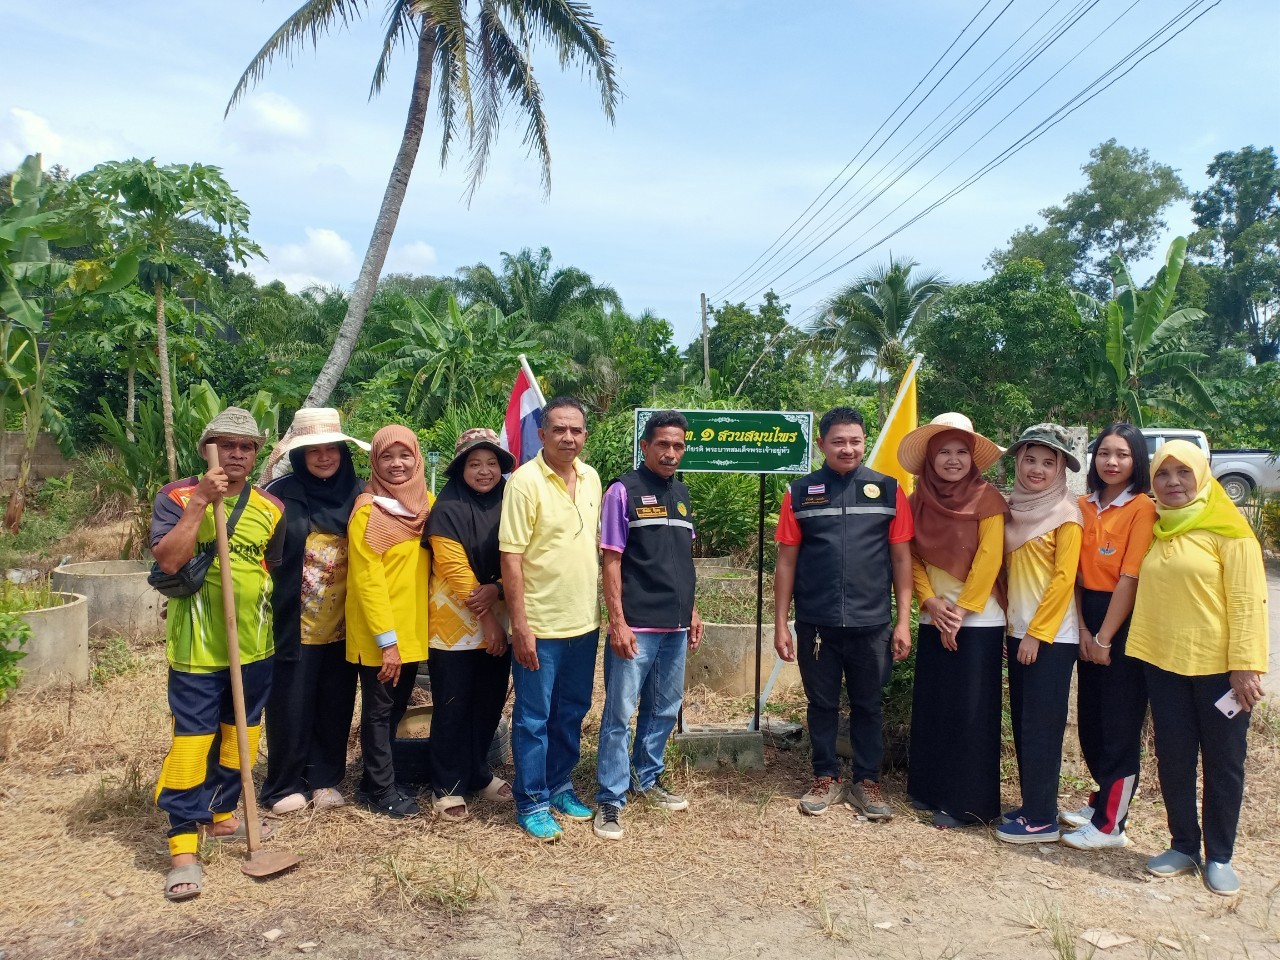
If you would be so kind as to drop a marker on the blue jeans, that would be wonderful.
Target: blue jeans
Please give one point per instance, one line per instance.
(654, 679)
(546, 721)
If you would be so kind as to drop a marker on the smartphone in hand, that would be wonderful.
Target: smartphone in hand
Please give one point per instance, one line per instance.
(1229, 704)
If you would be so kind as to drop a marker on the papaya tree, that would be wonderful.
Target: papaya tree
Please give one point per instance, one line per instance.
(148, 209)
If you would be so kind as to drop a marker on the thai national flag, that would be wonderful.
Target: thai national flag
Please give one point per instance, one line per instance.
(519, 435)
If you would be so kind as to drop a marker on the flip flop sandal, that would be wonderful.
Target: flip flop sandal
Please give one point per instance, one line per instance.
(190, 873)
(498, 790)
(266, 830)
(444, 805)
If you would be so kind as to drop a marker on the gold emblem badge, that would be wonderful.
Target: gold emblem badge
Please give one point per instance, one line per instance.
(871, 491)
(684, 511)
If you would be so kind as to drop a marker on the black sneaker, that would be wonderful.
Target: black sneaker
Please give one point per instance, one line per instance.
(390, 804)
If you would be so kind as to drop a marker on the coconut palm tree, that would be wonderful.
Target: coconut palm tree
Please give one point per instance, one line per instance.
(875, 317)
(477, 54)
(528, 285)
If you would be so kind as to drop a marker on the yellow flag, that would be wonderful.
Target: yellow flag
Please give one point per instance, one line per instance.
(902, 419)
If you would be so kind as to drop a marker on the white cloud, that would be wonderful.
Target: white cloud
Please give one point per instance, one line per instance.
(266, 121)
(416, 257)
(24, 132)
(324, 259)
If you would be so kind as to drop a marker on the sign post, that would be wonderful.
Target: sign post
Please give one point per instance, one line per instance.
(762, 442)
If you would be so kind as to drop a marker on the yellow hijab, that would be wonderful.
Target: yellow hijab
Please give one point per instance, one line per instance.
(1211, 509)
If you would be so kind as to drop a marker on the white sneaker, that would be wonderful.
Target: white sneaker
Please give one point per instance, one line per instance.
(327, 798)
(1077, 818)
(289, 804)
(1090, 837)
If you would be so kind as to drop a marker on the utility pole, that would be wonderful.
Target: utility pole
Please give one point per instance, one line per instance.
(706, 347)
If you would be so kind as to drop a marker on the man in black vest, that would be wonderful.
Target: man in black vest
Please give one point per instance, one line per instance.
(646, 541)
(844, 540)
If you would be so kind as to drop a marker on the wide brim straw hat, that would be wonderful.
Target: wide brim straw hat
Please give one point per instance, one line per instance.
(1048, 435)
(914, 447)
(474, 439)
(314, 427)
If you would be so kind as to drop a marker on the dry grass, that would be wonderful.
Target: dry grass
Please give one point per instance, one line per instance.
(84, 859)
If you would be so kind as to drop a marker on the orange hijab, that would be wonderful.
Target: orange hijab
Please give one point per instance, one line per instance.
(394, 522)
(946, 514)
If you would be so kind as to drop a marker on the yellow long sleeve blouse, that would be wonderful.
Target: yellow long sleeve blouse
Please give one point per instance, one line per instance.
(1202, 605)
(386, 594)
(453, 625)
(974, 593)
(1042, 586)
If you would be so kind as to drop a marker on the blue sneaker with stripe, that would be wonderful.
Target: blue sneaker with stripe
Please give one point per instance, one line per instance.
(541, 826)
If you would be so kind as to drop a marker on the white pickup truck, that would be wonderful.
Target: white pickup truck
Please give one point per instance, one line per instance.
(1240, 472)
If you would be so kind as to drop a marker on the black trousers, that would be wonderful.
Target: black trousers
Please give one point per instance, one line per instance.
(1190, 730)
(309, 721)
(468, 690)
(382, 707)
(1038, 694)
(954, 763)
(862, 658)
(1111, 708)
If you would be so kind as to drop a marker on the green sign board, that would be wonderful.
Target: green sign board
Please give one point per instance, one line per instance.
(741, 441)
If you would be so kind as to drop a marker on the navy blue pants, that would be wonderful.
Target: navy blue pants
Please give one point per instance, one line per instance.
(1038, 694)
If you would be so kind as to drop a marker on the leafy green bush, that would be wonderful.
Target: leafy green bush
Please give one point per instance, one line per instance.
(14, 634)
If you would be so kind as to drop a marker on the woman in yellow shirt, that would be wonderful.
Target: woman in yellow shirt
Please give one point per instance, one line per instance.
(470, 661)
(1112, 704)
(1200, 625)
(387, 606)
(956, 555)
(1042, 551)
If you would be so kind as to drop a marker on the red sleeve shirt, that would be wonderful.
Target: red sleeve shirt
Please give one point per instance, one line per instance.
(901, 529)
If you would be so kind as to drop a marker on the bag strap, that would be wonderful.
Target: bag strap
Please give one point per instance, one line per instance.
(239, 509)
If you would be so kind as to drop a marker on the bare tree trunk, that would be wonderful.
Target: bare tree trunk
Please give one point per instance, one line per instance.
(383, 227)
(131, 398)
(166, 387)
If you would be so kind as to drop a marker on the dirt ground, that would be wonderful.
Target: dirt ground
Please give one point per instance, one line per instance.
(82, 857)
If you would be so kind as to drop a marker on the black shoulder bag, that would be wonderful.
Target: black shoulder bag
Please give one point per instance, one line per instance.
(188, 580)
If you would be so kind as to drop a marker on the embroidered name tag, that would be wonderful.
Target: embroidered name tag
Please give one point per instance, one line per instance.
(648, 498)
(810, 501)
(648, 513)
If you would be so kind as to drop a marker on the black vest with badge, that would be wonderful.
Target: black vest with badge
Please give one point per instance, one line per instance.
(657, 565)
(844, 575)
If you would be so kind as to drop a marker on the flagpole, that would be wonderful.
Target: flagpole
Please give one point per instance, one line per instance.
(524, 365)
(897, 402)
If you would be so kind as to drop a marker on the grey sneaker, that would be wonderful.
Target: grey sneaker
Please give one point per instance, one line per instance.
(824, 792)
(866, 798)
(664, 799)
(608, 822)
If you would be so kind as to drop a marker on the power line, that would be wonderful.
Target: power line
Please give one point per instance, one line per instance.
(970, 109)
(1064, 111)
(864, 146)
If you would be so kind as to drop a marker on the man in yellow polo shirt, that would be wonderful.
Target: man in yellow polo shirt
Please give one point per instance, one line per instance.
(549, 537)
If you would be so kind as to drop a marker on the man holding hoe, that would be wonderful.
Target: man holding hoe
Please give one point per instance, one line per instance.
(199, 784)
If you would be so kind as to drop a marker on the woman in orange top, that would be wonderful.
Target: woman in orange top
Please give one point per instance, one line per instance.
(1118, 519)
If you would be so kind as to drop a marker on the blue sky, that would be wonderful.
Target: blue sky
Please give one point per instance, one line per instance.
(735, 116)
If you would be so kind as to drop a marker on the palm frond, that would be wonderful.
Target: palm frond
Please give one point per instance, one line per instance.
(402, 25)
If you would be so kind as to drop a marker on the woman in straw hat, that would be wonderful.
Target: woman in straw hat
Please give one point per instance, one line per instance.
(957, 553)
(387, 606)
(313, 688)
(1112, 703)
(1200, 626)
(470, 660)
(1042, 553)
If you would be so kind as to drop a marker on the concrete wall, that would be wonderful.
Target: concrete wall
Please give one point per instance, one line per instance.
(725, 661)
(46, 461)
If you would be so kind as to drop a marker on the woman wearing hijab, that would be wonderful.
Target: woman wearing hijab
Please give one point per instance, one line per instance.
(470, 662)
(1112, 703)
(1042, 553)
(387, 606)
(313, 688)
(1200, 626)
(957, 553)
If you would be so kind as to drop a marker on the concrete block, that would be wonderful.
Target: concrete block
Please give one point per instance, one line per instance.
(709, 746)
(58, 648)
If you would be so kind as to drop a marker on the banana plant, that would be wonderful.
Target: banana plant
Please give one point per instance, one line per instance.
(1143, 367)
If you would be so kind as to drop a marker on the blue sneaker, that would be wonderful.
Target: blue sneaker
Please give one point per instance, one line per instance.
(1221, 879)
(541, 826)
(567, 804)
(1009, 816)
(1023, 830)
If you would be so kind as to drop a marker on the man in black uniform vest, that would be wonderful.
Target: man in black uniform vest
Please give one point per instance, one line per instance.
(646, 541)
(844, 541)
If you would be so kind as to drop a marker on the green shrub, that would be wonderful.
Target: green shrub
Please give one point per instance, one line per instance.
(14, 634)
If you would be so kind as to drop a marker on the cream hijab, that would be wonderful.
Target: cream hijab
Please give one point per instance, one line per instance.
(1033, 514)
